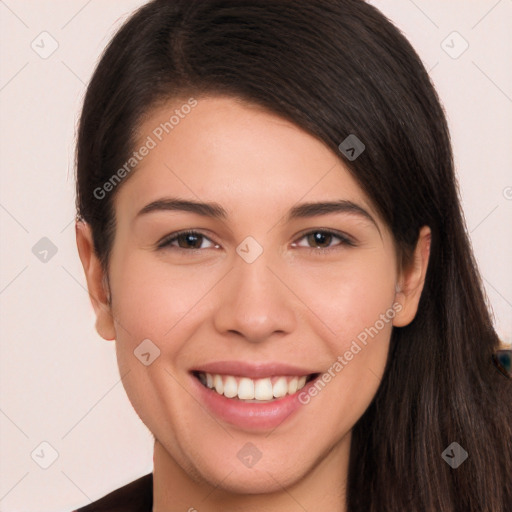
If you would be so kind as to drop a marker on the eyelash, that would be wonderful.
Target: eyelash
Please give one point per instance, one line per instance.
(344, 241)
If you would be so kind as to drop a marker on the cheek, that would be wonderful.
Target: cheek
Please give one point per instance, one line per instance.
(349, 297)
(151, 298)
(356, 304)
(152, 303)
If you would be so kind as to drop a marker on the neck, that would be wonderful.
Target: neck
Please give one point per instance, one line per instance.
(183, 489)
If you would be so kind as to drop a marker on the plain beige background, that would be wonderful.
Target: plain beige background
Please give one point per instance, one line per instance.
(59, 381)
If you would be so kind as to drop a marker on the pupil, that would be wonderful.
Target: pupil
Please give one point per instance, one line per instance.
(189, 239)
(322, 239)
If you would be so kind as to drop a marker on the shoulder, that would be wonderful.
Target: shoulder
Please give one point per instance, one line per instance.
(137, 496)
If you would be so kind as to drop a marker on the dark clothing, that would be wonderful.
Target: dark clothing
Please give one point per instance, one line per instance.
(137, 496)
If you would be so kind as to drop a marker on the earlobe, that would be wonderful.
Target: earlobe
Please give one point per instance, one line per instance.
(96, 281)
(412, 280)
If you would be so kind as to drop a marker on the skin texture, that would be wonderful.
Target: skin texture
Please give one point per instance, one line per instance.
(297, 303)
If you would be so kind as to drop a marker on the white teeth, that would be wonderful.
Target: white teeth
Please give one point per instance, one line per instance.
(230, 387)
(280, 388)
(246, 389)
(264, 390)
(292, 385)
(218, 384)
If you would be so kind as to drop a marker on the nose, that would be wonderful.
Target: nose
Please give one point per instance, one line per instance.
(254, 301)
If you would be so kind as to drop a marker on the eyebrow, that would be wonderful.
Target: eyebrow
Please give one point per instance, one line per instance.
(216, 211)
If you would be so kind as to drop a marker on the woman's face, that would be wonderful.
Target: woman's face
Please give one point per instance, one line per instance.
(259, 297)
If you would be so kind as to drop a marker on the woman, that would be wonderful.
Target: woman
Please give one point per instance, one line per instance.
(270, 229)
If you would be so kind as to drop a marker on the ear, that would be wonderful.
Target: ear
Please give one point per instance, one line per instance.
(96, 281)
(412, 279)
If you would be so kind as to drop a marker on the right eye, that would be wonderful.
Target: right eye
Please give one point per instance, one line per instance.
(187, 240)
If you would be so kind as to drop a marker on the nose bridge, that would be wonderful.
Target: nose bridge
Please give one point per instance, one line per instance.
(253, 301)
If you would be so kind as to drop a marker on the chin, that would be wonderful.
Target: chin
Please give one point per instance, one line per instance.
(262, 480)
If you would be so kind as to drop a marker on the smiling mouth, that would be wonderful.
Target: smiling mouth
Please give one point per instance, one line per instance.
(263, 390)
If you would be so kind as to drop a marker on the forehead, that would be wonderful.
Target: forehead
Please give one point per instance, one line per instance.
(229, 151)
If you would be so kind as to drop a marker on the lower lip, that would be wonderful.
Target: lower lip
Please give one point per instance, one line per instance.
(247, 415)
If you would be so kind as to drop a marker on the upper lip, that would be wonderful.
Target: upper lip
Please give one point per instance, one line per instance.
(251, 370)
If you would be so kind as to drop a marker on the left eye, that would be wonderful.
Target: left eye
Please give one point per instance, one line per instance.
(323, 238)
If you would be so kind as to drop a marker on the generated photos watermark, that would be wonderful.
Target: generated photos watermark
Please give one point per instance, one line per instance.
(343, 360)
(151, 142)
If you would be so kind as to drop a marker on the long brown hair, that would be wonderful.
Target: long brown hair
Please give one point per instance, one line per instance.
(334, 68)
